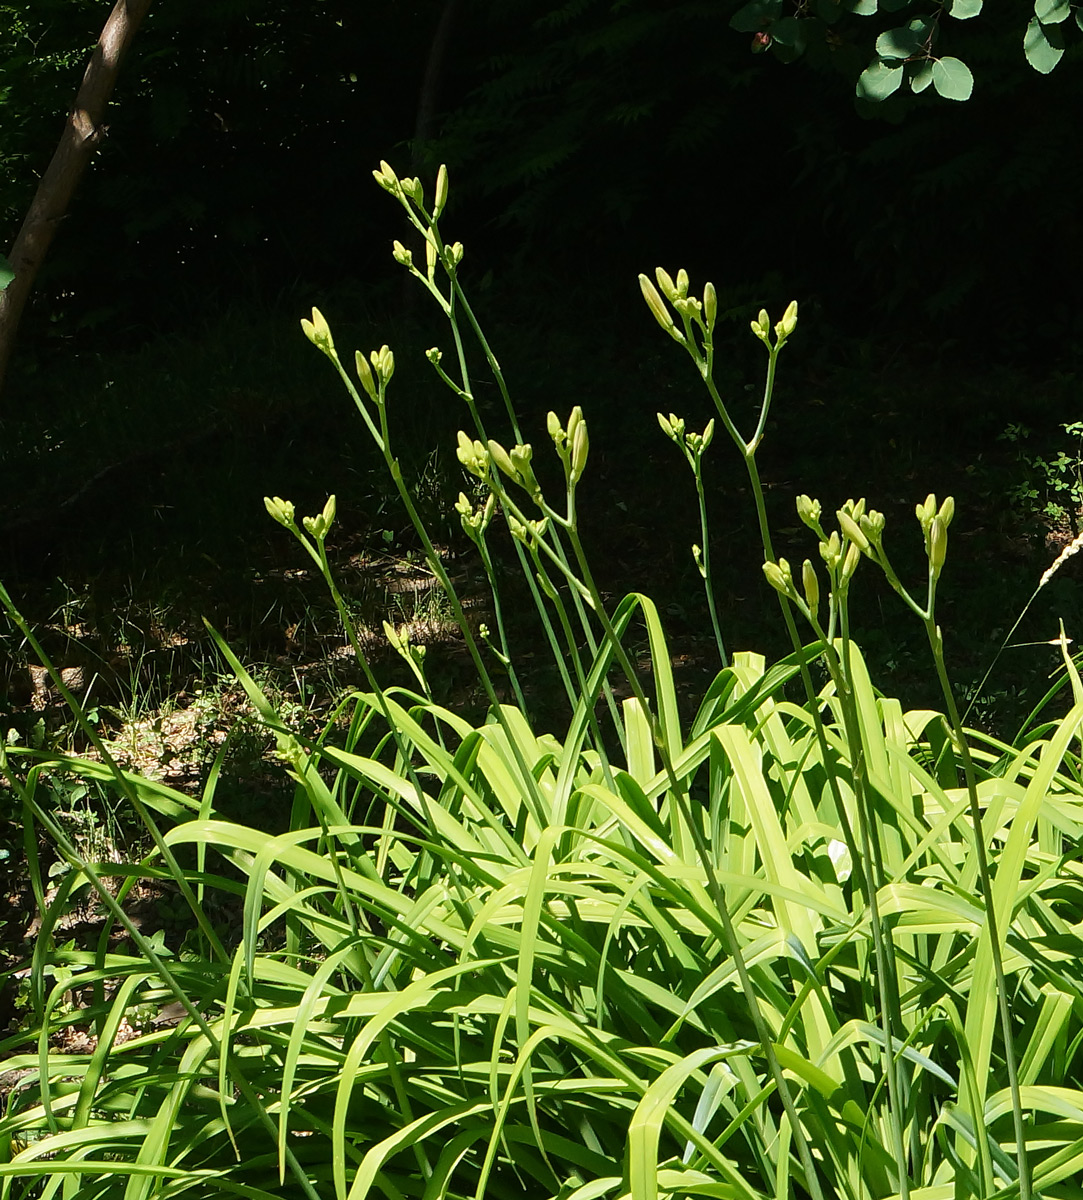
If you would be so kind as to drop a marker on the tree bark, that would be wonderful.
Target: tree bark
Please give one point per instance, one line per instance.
(83, 134)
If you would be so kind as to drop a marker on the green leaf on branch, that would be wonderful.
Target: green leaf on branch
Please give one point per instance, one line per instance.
(922, 77)
(6, 273)
(863, 8)
(1052, 12)
(879, 81)
(756, 15)
(1043, 46)
(904, 42)
(952, 79)
(963, 10)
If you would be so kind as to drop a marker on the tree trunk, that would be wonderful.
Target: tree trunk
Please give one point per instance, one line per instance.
(82, 135)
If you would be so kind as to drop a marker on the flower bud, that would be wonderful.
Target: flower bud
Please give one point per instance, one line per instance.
(580, 449)
(849, 563)
(281, 510)
(384, 362)
(552, 425)
(947, 510)
(401, 255)
(657, 306)
(502, 459)
(779, 577)
(473, 456)
(665, 282)
(682, 283)
(808, 512)
(789, 321)
(811, 585)
(364, 373)
(852, 530)
(318, 333)
(434, 356)
(697, 554)
(456, 251)
(413, 189)
(430, 257)
(672, 427)
(925, 512)
(938, 546)
(387, 179)
(708, 434)
(710, 305)
(441, 192)
(831, 551)
(872, 525)
(762, 325)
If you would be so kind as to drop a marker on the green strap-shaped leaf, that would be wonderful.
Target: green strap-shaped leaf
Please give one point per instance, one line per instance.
(952, 79)
(6, 273)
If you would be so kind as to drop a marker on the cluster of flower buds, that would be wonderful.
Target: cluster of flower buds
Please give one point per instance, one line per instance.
(319, 525)
(528, 532)
(572, 444)
(934, 525)
(318, 333)
(281, 510)
(761, 326)
(474, 520)
(399, 640)
(515, 464)
(693, 444)
(474, 457)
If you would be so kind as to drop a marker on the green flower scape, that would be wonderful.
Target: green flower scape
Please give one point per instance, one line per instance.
(806, 943)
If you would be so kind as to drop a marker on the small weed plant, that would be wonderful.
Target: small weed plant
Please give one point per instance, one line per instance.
(806, 944)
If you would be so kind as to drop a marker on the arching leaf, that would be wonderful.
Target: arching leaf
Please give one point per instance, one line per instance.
(952, 79)
(879, 81)
(922, 77)
(6, 273)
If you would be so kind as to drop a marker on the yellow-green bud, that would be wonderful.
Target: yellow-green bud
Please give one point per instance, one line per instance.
(413, 189)
(520, 457)
(947, 510)
(697, 554)
(672, 427)
(401, 255)
(502, 459)
(384, 363)
(580, 449)
(808, 511)
(318, 526)
(434, 356)
(925, 512)
(852, 530)
(430, 257)
(441, 192)
(456, 251)
(281, 510)
(708, 434)
(710, 305)
(387, 179)
(779, 577)
(831, 551)
(473, 456)
(682, 283)
(657, 306)
(318, 333)
(574, 417)
(762, 325)
(552, 425)
(687, 306)
(872, 525)
(938, 545)
(811, 585)
(364, 373)
(665, 282)
(849, 563)
(789, 321)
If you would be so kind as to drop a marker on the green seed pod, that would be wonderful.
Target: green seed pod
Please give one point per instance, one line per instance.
(710, 305)
(665, 282)
(811, 585)
(441, 192)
